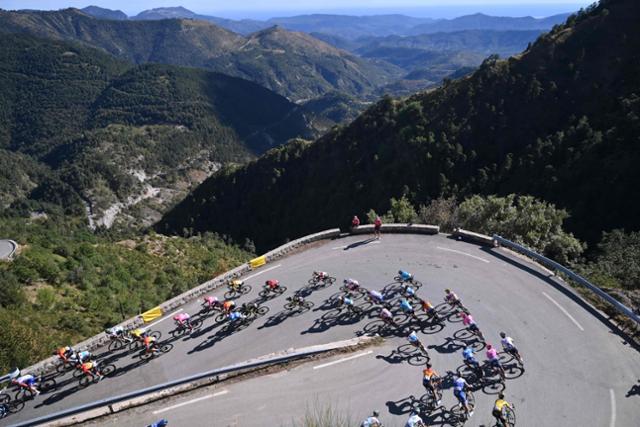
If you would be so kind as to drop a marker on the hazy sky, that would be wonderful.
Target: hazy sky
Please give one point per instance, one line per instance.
(265, 8)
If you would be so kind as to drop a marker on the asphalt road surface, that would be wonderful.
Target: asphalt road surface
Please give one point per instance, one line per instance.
(6, 249)
(578, 371)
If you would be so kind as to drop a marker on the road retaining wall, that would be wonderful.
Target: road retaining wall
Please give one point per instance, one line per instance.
(398, 228)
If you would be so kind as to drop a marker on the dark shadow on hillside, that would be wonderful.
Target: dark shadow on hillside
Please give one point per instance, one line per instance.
(569, 293)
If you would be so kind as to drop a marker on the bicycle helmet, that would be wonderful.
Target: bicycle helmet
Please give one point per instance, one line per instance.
(447, 291)
(502, 334)
(376, 413)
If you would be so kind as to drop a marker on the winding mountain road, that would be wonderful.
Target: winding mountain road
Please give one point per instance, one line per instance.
(7, 247)
(578, 371)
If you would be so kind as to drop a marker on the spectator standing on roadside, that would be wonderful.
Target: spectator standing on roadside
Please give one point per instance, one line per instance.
(377, 225)
(355, 222)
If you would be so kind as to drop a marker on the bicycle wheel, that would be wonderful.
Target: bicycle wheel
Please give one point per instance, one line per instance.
(84, 381)
(416, 284)
(281, 290)
(398, 279)
(62, 368)
(24, 394)
(510, 416)
(290, 306)
(4, 398)
(48, 385)
(264, 293)
(156, 334)
(196, 324)
(115, 345)
(245, 289)
(230, 294)
(263, 310)
(220, 318)
(308, 305)
(108, 370)
(178, 332)
(166, 348)
(312, 281)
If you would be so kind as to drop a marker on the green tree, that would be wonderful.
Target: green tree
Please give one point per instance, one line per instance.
(523, 219)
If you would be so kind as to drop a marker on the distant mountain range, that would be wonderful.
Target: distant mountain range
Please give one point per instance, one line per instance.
(560, 122)
(292, 64)
(82, 130)
(352, 27)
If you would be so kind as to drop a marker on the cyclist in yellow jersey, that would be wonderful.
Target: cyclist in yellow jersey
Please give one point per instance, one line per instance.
(498, 407)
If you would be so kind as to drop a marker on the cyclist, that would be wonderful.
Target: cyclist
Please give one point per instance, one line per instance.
(346, 301)
(509, 347)
(415, 341)
(414, 421)
(467, 320)
(429, 379)
(91, 368)
(387, 316)
(471, 361)
(320, 275)
(65, 353)
(428, 308)
(183, 320)
(236, 315)
(272, 284)
(115, 332)
(82, 357)
(211, 302)
(408, 290)
(248, 308)
(494, 360)
(376, 297)
(498, 410)
(453, 300)
(139, 333)
(351, 284)
(296, 300)
(460, 385)
(27, 381)
(161, 423)
(372, 421)
(228, 305)
(150, 343)
(235, 284)
(405, 276)
(406, 307)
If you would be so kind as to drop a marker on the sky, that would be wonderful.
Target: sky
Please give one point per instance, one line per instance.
(261, 9)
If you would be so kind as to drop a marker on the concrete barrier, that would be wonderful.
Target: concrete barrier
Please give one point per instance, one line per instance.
(470, 236)
(398, 228)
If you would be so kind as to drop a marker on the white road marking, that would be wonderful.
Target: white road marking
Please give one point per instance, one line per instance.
(343, 360)
(363, 244)
(189, 402)
(612, 423)
(164, 318)
(464, 253)
(564, 311)
(262, 271)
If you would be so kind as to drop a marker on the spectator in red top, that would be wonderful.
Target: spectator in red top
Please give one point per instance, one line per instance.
(355, 222)
(377, 224)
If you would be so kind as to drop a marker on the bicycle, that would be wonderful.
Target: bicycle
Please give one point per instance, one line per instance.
(296, 305)
(254, 312)
(268, 291)
(237, 288)
(156, 350)
(25, 393)
(182, 328)
(138, 342)
(415, 283)
(119, 342)
(509, 414)
(326, 281)
(96, 375)
(459, 415)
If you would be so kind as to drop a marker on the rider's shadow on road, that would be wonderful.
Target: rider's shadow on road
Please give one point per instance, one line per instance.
(359, 243)
(275, 320)
(634, 390)
(394, 358)
(449, 346)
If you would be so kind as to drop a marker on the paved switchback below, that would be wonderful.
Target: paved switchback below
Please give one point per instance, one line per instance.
(576, 368)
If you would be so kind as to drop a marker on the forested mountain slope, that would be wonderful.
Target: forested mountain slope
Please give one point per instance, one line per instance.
(294, 65)
(79, 128)
(561, 122)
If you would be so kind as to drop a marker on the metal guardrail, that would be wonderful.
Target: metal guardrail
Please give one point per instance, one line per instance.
(174, 383)
(623, 309)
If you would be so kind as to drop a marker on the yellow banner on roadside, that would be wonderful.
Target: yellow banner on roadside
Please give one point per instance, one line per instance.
(257, 262)
(152, 314)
